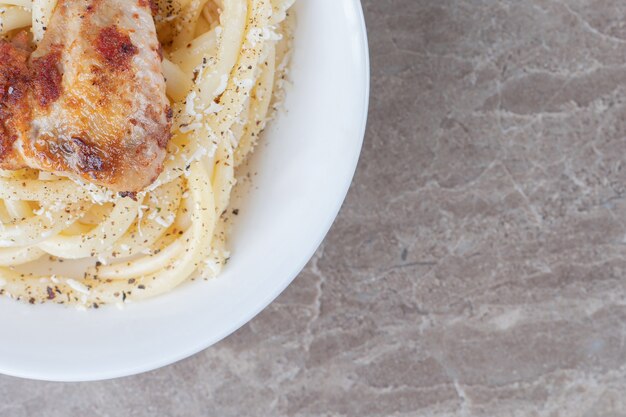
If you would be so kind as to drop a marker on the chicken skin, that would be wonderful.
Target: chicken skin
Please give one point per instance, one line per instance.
(90, 101)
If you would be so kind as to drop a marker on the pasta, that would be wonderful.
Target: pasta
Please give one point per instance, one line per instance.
(222, 64)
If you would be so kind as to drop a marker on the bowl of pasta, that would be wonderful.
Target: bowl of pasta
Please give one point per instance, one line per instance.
(167, 168)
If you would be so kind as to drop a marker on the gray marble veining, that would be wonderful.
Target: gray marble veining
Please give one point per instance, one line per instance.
(478, 267)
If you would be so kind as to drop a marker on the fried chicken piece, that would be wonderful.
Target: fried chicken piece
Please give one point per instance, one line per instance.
(90, 100)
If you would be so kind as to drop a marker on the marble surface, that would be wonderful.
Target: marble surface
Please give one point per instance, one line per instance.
(478, 267)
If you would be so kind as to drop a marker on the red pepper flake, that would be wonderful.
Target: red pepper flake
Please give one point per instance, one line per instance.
(131, 195)
(51, 294)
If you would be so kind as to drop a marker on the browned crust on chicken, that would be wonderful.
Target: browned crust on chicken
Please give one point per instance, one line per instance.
(46, 78)
(15, 81)
(115, 48)
(90, 101)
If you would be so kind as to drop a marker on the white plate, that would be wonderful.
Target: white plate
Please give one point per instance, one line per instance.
(304, 172)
